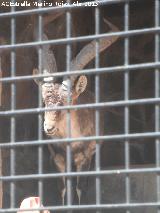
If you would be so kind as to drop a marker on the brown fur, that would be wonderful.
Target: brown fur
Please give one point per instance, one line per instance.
(82, 123)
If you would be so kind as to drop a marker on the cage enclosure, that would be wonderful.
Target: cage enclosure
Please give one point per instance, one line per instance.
(107, 135)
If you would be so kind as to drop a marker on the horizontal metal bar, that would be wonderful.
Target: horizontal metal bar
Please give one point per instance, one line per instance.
(88, 207)
(129, 68)
(116, 137)
(120, 103)
(83, 173)
(65, 7)
(83, 38)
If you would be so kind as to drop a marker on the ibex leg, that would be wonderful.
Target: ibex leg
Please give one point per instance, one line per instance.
(61, 166)
(81, 181)
(63, 192)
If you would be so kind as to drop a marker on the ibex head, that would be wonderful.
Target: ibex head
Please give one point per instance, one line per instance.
(56, 94)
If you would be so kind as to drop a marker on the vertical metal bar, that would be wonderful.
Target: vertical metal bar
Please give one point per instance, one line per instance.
(157, 95)
(69, 153)
(40, 136)
(126, 97)
(1, 82)
(13, 107)
(97, 115)
(1, 183)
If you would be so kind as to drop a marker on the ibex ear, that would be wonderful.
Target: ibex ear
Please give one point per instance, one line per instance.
(81, 84)
(35, 72)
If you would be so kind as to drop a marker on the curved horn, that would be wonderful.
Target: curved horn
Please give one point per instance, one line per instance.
(48, 59)
(48, 62)
(89, 52)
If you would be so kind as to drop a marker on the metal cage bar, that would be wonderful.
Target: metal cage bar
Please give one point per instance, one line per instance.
(97, 113)
(126, 69)
(126, 97)
(69, 153)
(12, 119)
(157, 81)
(40, 104)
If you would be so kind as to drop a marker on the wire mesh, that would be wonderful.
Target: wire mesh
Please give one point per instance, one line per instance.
(101, 180)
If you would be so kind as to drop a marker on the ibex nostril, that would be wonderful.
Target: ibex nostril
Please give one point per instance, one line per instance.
(50, 129)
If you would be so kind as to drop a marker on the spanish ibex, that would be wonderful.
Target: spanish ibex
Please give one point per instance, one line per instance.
(82, 121)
